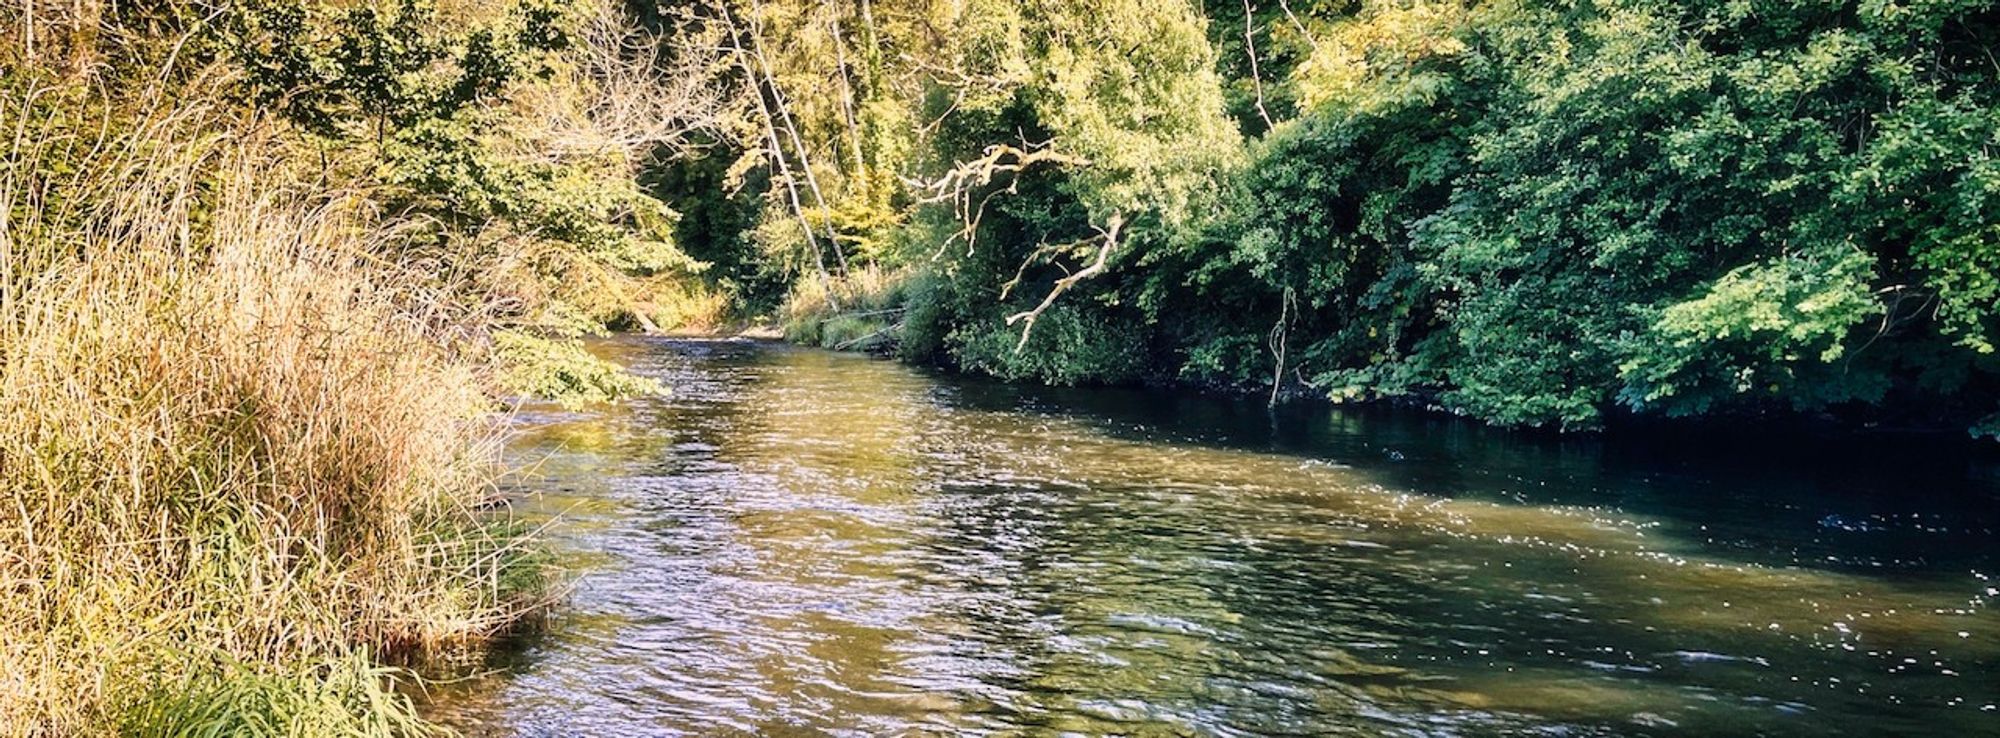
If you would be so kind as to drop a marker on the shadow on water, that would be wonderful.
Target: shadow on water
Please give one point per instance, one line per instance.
(1857, 503)
(807, 543)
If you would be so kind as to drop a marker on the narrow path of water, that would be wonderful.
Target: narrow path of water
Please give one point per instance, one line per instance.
(805, 543)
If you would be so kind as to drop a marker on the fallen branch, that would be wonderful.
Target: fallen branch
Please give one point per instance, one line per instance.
(1256, 77)
(1279, 338)
(867, 313)
(845, 345)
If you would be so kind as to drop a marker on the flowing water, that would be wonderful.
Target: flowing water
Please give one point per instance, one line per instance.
(805, 543)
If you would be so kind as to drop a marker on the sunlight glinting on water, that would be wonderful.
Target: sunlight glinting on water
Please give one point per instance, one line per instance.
(803, 543)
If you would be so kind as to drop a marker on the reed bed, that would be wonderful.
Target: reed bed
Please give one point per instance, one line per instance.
(243, 461)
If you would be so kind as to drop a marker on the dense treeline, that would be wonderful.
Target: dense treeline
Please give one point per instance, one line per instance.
(1534, 212)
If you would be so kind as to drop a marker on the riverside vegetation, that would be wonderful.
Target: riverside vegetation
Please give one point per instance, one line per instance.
(267, 269)
(1532, 212)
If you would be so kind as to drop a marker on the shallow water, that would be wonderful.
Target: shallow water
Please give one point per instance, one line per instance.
(806, 543)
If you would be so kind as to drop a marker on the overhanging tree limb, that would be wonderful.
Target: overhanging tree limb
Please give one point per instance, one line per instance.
(964, 183)
(1107, 243)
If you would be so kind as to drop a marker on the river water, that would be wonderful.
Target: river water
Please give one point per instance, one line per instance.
(799, 542)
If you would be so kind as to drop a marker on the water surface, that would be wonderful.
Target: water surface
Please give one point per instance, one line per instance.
(805, 543)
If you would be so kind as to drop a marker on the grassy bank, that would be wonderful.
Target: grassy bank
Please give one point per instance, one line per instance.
(862, 310)
(242, 459)
(265, 270)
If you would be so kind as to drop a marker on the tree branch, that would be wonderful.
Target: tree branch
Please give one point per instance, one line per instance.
(1108, 243)
(962, 183)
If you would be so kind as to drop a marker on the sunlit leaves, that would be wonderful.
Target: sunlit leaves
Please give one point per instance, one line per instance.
(1774, 328)
(1683, 208)
(1377, 56)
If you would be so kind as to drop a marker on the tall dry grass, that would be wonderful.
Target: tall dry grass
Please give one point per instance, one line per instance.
(870, 299)
(241, 461)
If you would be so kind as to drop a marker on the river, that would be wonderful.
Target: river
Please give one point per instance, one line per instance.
(799, 542)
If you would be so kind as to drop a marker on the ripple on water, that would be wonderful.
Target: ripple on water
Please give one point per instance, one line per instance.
(803, 543)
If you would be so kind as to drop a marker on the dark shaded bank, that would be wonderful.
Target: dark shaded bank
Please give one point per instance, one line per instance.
(1860, 433)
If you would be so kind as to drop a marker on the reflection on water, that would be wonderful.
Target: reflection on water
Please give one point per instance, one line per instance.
(805, 543)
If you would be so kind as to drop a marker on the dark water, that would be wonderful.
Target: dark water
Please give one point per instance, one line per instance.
(805, 543)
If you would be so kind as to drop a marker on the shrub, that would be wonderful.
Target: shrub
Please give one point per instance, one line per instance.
(854, 311)
(1069, 346)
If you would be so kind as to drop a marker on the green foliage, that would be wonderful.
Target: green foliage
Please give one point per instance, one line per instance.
(715, 223)
(1685, 208)
(1778, 327)
(366, 70)
(1529, 211)
(1987, 427)
(1933, 164)
(419, 92)
(1071, 345)
(562, 370)
(926, 319)
(1228, 359)
(348, 696)
(1130, 86)
(849, 332)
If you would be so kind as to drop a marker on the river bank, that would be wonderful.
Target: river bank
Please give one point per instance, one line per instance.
(1723, 432)
(253, 336)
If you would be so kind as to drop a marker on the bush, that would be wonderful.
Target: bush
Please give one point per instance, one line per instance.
(926, 319)
(1068, 347)
(856, 311)
(562, 370)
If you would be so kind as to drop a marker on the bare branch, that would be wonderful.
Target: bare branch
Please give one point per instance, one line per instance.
(1310, 41)
(776, 153)
(1278, 339)
(1256, 77)
(792, 130)
(1046, 249)
(1107, 244)
(646, 90)
(964, 182)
